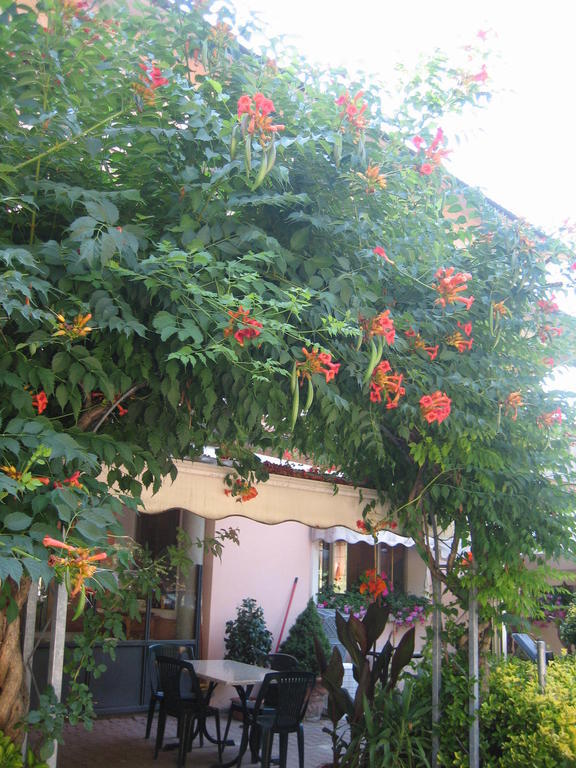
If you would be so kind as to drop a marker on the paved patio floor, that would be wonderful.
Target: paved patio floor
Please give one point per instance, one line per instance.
(118, 742)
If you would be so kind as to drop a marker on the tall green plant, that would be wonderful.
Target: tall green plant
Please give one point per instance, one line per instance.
(373, 672)
(247, 638)
(304, 636)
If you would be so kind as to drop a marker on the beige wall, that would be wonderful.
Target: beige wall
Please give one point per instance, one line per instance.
(263, 567)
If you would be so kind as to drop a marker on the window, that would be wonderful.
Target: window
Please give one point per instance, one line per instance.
(341, 565)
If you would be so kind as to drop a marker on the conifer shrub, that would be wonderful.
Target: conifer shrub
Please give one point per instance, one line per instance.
(300, 640)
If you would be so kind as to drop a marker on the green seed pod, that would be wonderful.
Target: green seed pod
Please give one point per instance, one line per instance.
(310, 396)
(294, 378)
(248, 154)
(270, 157)
(372, 363)
(295, 408)
(234, 142)
(338, 150)
(261, 174)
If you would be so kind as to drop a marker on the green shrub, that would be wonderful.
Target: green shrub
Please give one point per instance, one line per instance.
(300, 640)
(521, 726)
(397, 730)
(11, 755)
(247, 638)
(455, 720)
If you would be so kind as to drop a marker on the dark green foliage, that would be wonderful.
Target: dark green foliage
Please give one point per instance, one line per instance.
(300, 643)
(149, 210)
(375, 673)
(247, 638)
(396, 731)
(519, 726)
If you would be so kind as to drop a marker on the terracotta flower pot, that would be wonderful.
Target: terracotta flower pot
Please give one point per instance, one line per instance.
(317, 703)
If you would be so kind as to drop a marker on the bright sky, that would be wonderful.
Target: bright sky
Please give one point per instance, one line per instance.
(519, 149)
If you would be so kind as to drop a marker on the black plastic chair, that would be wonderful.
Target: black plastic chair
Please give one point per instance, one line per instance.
(190, 710)
(279, 662)
(174, 650)
(292, 692)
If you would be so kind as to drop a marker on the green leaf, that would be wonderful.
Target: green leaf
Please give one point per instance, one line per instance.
(190, 329)
(17, 521)
(82, 228)
(60, 362)
(62, 395)
(214, 84)
(300, 239)
(47, 378)
(90, 531)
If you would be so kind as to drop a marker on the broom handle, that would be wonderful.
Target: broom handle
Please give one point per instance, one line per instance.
(286, 614)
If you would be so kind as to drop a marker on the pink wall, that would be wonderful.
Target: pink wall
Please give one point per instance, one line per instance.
(262, 567)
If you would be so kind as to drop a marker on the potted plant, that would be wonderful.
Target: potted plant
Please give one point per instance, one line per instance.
(305, 633)
(247, 637)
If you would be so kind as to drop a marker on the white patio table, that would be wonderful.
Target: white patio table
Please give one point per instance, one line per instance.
(243, 677)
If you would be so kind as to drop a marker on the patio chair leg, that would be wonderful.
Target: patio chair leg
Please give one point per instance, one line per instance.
(160, 730)
(267, 737)
(255, 738)
(151, 710)
(300, 746)
(184, 744)
(283, 749)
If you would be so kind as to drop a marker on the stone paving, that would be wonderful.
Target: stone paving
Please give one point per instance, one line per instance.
(118, 742)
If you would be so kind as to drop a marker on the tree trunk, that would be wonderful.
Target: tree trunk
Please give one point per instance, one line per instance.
(14, 698)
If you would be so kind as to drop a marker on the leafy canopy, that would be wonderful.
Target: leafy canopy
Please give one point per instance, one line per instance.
(182, 218)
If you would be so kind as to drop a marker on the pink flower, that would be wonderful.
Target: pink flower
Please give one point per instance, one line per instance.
(244, 104)
(418, 141)
(437, 139)
(263, 104)
(40, 401)
(379, 251)
(426, 169)
(481, 76)
(156, 77)
(435, 407)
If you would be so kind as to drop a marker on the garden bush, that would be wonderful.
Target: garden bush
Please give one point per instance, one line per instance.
(300, 640)
(521, 726)
(247, 638)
